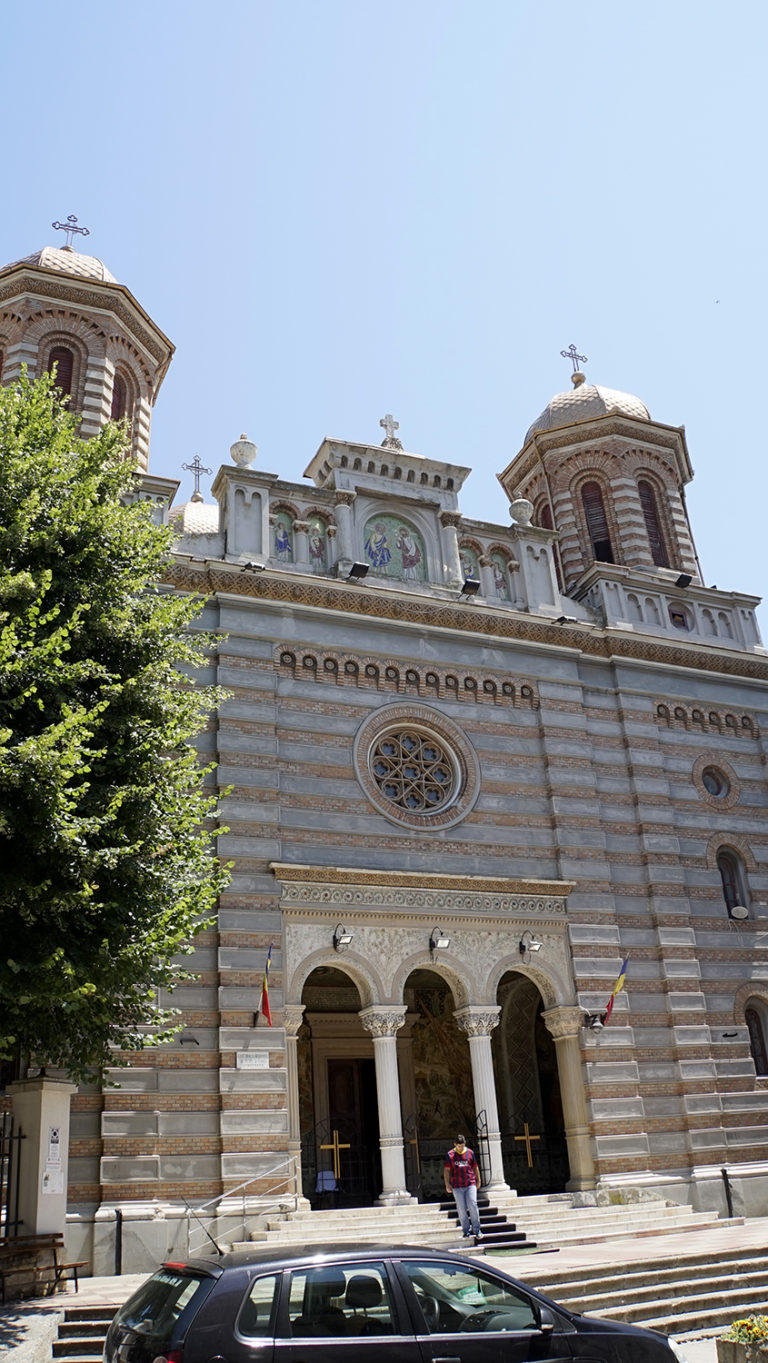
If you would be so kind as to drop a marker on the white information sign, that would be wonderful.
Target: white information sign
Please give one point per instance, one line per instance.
(253, 1060)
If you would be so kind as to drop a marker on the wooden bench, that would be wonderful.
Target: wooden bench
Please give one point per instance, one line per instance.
(34, 1265)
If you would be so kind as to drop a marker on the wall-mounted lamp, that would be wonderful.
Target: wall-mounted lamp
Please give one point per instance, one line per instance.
(250, 567)
(358, 571)
(684, 580)
(740, 912)
(341, 938)
(566, 620)
(188, 1041)
(438, 941)
(595, 1022)
(529, 943)
(470, 586)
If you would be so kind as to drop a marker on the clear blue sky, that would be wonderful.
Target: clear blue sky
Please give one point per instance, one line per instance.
(339, 208)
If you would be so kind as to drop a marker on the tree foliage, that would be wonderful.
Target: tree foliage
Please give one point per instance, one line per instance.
(106, 864)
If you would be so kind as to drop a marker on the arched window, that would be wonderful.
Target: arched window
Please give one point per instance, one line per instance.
(733, 878)
(544, 517)
(597, 522)
(62, 359)
(754, 1018)
(119, 399)
(653, 524)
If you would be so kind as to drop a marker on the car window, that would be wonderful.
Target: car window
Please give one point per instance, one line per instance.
(257, 1313)
(348, 1300)
(453, 1297)
(154, 1312)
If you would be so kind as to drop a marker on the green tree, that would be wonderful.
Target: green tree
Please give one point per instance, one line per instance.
(107, 869)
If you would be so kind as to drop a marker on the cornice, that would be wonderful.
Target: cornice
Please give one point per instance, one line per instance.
(419, 880)
(328, 594)
(101, 294)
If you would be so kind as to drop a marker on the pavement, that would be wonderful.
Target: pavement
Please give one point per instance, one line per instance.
(26, 1329)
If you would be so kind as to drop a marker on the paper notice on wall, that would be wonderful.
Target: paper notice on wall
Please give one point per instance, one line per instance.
(53, 1181)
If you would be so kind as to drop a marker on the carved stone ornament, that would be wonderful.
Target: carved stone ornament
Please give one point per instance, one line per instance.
(477, 1021)
(391, 898)
(383, 1021)
(417, 723)
(563, 1022)
(293, 1014)
(521, 510)
(243, 452)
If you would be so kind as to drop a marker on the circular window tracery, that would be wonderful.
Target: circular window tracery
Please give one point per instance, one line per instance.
(715, 782)
(416, 767)
(412, 770)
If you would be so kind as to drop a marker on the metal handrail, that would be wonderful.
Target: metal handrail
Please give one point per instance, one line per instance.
(289, 1180)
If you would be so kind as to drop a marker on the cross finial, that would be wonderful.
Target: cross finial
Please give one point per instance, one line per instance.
(389, 426)
(573, 355)
(71, 228)
(197, 469)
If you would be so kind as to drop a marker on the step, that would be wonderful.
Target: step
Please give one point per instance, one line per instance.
(677, 1264)
(89, 1345)
(82, 1329)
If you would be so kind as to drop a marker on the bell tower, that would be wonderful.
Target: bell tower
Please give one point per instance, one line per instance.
(63, 311)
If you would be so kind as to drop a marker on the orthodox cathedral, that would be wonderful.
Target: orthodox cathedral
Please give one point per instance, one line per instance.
(496, 808)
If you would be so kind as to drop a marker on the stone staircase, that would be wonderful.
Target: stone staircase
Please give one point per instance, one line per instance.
(510, 1224)
(681, 1295)
(82, 1333)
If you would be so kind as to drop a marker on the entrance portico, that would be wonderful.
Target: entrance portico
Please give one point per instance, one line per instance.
(364, 941)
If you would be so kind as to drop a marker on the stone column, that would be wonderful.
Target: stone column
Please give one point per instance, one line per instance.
(564, 1025)
(294, 1016)
(449, 539)
(487, 584)
(301, 541)
(383, 1023)
(345, 553)
(478, 1023)
(41, 1112)
(330, 540)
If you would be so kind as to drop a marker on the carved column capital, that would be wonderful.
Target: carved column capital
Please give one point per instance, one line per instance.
(302, 526)
(383, 1021)
(293, 1014)
(563, 1022)
(477, 1021)
(450, 518)
(343, 498)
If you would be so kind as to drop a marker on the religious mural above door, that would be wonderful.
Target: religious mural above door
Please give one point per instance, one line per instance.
(283, 530)
(394, 549)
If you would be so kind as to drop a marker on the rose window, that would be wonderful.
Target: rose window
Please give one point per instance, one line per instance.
(412, 770)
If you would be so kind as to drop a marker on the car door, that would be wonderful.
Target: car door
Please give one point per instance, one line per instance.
(469, 1315)
(348, 1312)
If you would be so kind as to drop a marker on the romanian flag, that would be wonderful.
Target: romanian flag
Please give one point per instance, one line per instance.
(264, 1004)
(617, 988)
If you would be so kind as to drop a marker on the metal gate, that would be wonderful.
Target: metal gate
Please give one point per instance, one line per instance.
(11, 1137)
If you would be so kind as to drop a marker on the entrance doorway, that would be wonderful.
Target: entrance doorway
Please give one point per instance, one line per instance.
(340, 1158)
(531, 1120)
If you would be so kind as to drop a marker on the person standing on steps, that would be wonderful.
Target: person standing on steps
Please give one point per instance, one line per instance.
(462, 1178)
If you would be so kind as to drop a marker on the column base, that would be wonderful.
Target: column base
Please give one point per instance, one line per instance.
(401, 1198)
(498, 1186)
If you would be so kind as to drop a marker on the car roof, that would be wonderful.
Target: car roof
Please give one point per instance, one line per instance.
(285, 1256)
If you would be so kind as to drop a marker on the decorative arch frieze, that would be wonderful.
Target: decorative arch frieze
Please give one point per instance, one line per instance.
(702, 719)
(393, 676)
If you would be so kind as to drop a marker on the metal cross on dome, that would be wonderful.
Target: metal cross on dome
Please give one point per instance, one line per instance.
(71, 228)
(573, 355)
(197, 469)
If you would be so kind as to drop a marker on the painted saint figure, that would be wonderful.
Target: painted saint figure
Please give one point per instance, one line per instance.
(409, 552)
(316, 546)
(499, 580)
(377, 548)
(282, 543)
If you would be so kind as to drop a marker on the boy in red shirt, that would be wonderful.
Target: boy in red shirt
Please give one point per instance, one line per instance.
(462, 1178)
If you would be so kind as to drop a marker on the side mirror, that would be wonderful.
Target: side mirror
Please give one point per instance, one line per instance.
(546, 1320)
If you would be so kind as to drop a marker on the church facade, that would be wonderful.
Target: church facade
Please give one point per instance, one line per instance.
(476, 775)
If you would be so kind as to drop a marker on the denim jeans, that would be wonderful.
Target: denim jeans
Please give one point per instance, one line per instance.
(466, 1206)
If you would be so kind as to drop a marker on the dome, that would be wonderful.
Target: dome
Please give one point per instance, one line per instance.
(65, 260)
(584, 402)
(196, 517)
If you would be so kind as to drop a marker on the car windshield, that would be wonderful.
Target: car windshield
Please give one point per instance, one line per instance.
(154, 1312)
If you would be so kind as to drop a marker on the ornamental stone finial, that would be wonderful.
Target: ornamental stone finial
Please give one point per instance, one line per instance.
(243, 452)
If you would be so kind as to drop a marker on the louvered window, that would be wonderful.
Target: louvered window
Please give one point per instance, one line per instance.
(119, 399)
(732, 878)
(597, 522)
(64, 362)
(756, 1039)
(653, 524)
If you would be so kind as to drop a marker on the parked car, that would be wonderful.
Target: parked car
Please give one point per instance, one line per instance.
(402, 1304)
